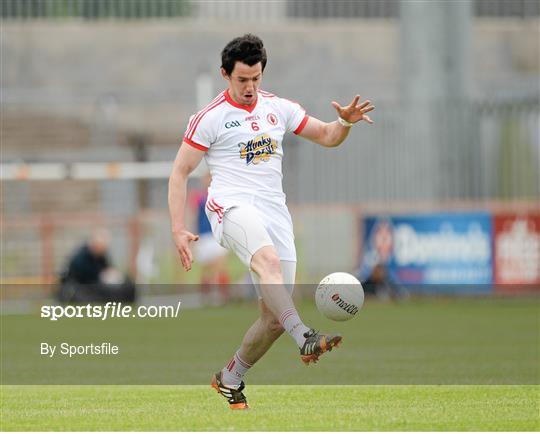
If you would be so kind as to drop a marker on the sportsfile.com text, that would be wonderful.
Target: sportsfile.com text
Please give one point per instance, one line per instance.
(109, 310)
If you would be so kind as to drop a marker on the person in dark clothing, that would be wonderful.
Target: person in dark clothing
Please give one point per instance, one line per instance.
(380, 284)
(90, 277)
(87, 264)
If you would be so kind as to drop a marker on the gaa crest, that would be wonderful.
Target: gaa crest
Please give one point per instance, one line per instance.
(272, 119)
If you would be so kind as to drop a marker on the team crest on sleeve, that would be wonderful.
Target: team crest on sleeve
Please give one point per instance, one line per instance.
(272, 119)
(258, 149)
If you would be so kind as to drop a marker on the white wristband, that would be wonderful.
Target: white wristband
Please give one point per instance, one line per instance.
(344, 122)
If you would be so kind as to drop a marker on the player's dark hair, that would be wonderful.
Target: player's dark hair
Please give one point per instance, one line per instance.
(248, 49)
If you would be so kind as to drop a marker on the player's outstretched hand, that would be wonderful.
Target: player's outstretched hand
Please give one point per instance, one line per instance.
(355, 112)
(182, 240)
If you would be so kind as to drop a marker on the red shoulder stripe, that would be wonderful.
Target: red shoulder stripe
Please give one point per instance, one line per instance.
(295, 102)
(194, 128)
(194, 118)
(201, 113)
(266, 94)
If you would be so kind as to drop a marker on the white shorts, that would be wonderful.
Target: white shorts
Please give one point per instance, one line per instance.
(245, 227)
(207, 249)
(255, 214)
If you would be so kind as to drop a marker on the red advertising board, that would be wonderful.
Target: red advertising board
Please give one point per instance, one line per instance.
(516, 242)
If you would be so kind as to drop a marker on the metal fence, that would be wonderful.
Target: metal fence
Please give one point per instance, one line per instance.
(483, 150)
(94, 9)
(442, 151)
(261, 10)
(447, 156)
(327, 238)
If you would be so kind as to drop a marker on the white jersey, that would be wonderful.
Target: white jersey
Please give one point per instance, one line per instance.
(244, 144)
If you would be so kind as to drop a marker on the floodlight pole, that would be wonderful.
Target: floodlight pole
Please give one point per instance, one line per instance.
(435, 89)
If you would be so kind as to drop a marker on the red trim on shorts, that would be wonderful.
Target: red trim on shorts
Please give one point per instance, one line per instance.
(218, 208)
(216, 204)
(195, 145)
(248, 108)
(218, 211)
(300, 127)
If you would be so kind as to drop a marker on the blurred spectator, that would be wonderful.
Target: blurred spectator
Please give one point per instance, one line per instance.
(90, 277)
(208, 253)
(380, 285)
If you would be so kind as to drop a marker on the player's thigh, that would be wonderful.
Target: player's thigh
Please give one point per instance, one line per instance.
(279, 225)
(244, 232)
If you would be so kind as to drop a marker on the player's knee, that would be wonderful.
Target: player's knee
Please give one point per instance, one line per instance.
(273, 266)
(266, 263)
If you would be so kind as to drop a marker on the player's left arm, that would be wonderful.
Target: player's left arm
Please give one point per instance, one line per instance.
(331, 134)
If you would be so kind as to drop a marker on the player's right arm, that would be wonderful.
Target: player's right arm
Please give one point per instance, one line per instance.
(187, 159)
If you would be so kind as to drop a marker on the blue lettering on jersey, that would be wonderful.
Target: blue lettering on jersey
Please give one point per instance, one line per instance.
(232, 124)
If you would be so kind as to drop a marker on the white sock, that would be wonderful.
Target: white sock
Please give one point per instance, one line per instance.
(233, 373)
(290, 320)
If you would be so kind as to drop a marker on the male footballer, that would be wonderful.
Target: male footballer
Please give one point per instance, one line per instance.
(240, 134)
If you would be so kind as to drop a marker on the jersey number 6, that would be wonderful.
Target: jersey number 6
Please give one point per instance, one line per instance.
(254, 126)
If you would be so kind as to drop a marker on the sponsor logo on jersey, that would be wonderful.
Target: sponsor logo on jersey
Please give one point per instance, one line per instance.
(272, 119)
(347, 307)
(258, 149)
(232, 124)
(252, 118)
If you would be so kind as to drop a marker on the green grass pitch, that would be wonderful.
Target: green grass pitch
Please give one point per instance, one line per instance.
(273, 408)
(428, 364)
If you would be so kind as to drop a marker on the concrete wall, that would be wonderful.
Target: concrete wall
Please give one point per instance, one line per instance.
(140, 76)
(150, 68)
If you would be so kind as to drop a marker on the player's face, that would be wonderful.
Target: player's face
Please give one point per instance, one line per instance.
(244, 82)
